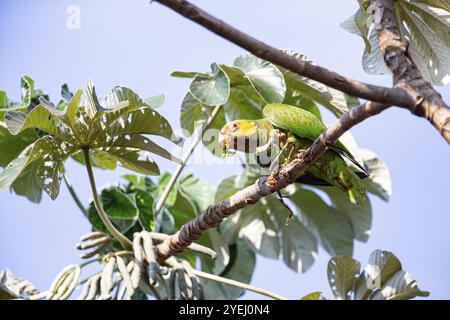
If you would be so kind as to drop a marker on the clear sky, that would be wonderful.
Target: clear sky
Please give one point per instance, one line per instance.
(137, 44)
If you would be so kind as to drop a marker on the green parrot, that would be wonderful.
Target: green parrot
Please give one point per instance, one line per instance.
(284, 131)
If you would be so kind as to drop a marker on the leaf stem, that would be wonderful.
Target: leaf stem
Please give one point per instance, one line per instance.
(238, 284)
(124, 241)
(73, 193)
(181, 166)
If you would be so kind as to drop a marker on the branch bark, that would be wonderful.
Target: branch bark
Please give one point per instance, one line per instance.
(264, 186)
(425, 102)
(406, 74)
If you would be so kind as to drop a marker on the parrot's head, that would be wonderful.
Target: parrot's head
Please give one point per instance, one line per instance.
(240, 135)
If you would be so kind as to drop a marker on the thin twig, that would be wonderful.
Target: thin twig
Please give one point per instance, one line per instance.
(237, 284)
(73, 193)
(181, 166)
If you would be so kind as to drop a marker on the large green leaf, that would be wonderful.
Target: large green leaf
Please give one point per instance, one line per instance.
(211, 88)
(118, 206)
(240, 268)
(244, 101)
(359, 215)
(298, 244)
(52, 152)
(198, 191)
(191, 112)
(332, 228)
(342, 273)
(264, 76)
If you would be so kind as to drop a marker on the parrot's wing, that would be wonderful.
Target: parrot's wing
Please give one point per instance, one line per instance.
(304, 124)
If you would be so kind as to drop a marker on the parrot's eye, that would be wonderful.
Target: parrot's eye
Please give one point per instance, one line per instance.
(234, 125)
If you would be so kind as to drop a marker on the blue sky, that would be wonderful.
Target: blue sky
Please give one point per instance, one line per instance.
(137, 44)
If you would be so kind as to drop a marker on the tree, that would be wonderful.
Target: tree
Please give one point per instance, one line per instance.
(140, 226)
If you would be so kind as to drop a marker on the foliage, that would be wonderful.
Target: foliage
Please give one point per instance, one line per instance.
(112, 132)
(382, 279)
(422, 23)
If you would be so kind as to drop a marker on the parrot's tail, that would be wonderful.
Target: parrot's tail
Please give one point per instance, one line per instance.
(352, 185)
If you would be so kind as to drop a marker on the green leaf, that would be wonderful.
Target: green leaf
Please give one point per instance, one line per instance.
(118, 206)
(137, 141)
(244, 101)
(12, 145)
(330, 226)
(130, 158)
(3, 99)
(313, 296)
(257, 228)
(357, 24)
(200, 193)
(144, 120)
(155, 101)
(359, 215)
(379, 180)
(381, 266)
(27, 183)
(332, 99)
(424, 24)
(401, 286)
(27, 85)
(240, 268)
(298, 244)
(212, 88)
(51, 151)
(184, 74)
(342, 273)
(40, 118)
(191, 111)
(264, 77)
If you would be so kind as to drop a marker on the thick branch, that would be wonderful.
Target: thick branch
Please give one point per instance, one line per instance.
(264, 186)
(406, 74)
(420, 102)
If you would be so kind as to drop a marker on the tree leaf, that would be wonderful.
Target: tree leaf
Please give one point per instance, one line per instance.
(332, 228)
(191, 111)
(211, 88)
(240, 268)
(381, 266)
(201, 194)
(137, 141)
(342, 273)
(298, 244)
(27, 85)
(155, 101)
(130, 158)
(359, 215)
(313, 296)
(118, 206)
(264, 77)
(379, 180)
(400, 286)
(257, 228)
(244, 101)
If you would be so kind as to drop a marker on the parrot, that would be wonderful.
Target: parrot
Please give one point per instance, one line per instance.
(287, 130)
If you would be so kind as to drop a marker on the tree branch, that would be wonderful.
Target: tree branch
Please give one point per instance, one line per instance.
(264, 186)
(407, 96)
(406, 74)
